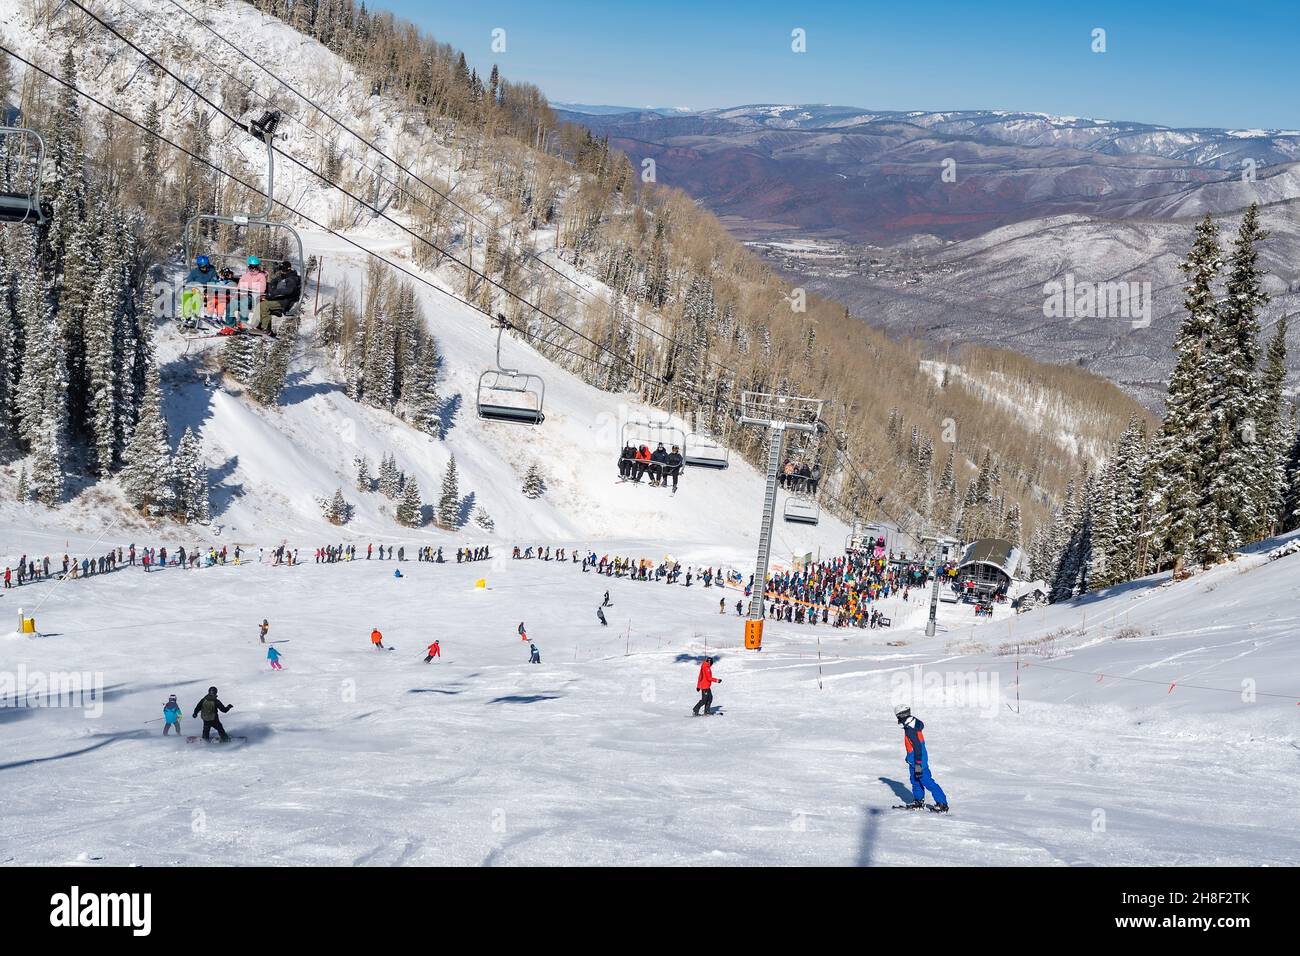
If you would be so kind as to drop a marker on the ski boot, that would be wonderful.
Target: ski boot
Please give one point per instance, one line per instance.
(914, 805)
(940, 808)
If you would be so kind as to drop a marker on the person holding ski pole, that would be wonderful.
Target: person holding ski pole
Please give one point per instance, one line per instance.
(918, 761)
(704, 684)
(211, 708)
(434, 651)
(171, 716)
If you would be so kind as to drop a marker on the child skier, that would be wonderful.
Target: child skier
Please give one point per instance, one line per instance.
(377, 640)
(434, 651)
(918, 761)
(273, 656)
(171, 716)
(535, 658)
(704, 684)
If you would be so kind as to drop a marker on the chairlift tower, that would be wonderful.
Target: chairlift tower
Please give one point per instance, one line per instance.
(778, 414)
(937, 544)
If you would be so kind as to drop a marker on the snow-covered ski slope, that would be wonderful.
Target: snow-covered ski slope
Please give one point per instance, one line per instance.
(269, 467)
(1174, 746)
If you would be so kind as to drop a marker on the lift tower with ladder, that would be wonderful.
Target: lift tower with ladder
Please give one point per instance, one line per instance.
(778, 414)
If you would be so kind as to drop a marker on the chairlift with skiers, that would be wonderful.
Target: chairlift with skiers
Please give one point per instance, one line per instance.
(245, 241)
(24, 205)
(509, 395)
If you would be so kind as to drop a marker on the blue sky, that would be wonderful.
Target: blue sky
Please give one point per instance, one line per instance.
(1193, 63)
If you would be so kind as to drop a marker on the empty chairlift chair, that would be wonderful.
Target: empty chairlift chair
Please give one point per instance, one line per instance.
(800, 509)
(509, 395)
(24, 205)
(705, 451)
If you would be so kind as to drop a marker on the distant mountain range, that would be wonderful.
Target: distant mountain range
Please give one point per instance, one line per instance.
(948, 224)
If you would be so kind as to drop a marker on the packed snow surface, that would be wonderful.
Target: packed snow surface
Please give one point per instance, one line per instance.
(1158, 725)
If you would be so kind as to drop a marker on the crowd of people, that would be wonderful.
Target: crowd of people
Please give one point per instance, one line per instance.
(229, 301)
(661, 465)
(843, 590)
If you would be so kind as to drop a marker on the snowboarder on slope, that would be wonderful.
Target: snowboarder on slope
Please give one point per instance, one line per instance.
(918, 761)
(377, 640)
(171, 716)
(434, 651)
(211, 708)
(273, 656)
(523, 635)
(262, 629)
(536, 657)
(601, 614)
(704, 684)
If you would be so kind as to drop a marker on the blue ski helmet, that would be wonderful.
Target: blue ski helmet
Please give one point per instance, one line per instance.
(202, 261)
(254, 261)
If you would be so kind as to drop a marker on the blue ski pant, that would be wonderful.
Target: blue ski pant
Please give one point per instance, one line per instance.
(923, 783)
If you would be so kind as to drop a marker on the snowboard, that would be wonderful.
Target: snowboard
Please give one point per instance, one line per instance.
(198, 738)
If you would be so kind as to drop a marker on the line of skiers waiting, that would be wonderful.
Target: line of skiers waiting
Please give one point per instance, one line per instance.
(223, 298)
(635, 462)
(800, 477)
(645, 569)
(30, 570)
(542, 554)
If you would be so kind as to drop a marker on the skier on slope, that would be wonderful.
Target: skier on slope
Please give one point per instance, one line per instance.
(434, 651)
(273, 656)
(535, 657)
(171, 716)
(523, 635)
(601, 615)
(704, 684)
(606, 602)
(262, 629)
(918, 761)
(211, 708)
(377, 639)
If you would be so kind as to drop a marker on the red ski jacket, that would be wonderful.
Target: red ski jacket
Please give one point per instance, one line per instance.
(707, 680)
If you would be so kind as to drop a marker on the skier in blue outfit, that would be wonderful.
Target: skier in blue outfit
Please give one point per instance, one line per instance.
(918, 761)
(171, 716)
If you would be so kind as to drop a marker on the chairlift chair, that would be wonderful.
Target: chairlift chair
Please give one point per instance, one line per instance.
(644, 431)
(509, 395)
(705, 451)
(801, 509)
(25, 205)
(246, 223)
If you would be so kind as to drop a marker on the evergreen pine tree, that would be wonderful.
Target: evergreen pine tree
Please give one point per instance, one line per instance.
(534, 484)
(1232, 502)
(1273, 431)
(362, 466)
(1180, 457)
(191, 476)
(410, 509)
(449, 501)
(146, 476)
